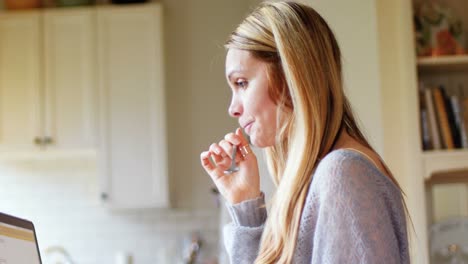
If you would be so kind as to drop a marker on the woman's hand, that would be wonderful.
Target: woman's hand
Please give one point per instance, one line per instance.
(238, 186)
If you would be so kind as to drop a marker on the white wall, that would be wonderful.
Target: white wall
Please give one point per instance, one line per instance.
(355, 26)
(198, 95)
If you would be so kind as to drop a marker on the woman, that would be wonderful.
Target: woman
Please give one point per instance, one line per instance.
(336, 201)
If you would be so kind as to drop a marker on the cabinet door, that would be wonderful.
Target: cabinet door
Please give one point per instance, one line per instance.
(70, 83)
(133, 150)
(20, 82)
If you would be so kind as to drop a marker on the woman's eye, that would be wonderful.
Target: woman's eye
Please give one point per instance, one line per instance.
(241, 84)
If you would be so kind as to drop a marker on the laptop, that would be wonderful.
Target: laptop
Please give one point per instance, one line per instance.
(18, 242)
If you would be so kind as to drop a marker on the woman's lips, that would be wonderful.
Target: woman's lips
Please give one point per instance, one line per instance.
(248, 127)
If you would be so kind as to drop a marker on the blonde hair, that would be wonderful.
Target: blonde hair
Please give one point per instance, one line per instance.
(304, 66)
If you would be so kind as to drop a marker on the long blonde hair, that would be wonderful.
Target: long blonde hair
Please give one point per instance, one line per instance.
(304, 68)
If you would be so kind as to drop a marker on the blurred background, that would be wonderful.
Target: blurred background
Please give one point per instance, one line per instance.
(105, 107)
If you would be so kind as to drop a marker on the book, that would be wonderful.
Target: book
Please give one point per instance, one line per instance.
(454, 131)
(459, 123)
(442, 118)
(464, 114)
(424, 122)
(426, 138)
(432, 120)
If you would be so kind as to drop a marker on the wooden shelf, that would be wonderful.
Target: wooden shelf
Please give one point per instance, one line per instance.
(437, 161)
(441, 153)
(448, 177)
(445, 63)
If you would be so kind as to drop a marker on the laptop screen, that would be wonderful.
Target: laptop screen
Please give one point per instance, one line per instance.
(18, 243)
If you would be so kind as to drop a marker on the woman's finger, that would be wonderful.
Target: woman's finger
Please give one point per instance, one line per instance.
(212, 169)
(226, 146)
(233, 139)
(216, 149)
(219, 156)
(220, 161)
(206, 162)
(236, 141)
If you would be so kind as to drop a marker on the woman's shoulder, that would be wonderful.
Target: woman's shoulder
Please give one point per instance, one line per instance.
(342, 161)
(344, 169)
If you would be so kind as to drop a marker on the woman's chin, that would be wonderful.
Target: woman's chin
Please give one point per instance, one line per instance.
(258, 142)
(254, 141)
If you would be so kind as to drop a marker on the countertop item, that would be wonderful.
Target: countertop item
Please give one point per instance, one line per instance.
(123, 258)
(57, 254)
(449, 241)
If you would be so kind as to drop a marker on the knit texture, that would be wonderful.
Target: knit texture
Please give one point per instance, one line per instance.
(353, 214)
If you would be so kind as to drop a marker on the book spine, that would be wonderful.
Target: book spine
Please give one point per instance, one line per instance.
(432, 120)
(426, 138)
(464, 110)
(442, 118)
(458, 115)
(454, 131)
(424, 121)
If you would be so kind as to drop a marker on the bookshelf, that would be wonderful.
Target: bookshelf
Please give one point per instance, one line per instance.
(450, 72)
(401, 70)
(444, 78)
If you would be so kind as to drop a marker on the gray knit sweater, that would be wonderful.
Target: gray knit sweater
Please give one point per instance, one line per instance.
(353, 214)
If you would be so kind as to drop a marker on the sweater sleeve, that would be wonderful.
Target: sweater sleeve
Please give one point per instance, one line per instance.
(354, 222)
(242, 236)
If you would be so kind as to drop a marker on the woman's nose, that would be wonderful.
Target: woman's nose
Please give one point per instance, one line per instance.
(235, 109)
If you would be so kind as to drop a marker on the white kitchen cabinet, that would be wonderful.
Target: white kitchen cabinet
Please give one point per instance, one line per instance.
(133, 148)
(70, 81)
(20, 80)
(47, 82)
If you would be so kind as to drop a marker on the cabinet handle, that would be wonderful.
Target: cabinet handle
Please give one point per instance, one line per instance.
(38, 141)
(48, 140)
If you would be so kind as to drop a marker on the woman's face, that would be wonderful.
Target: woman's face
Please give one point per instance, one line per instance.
(251, 103)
